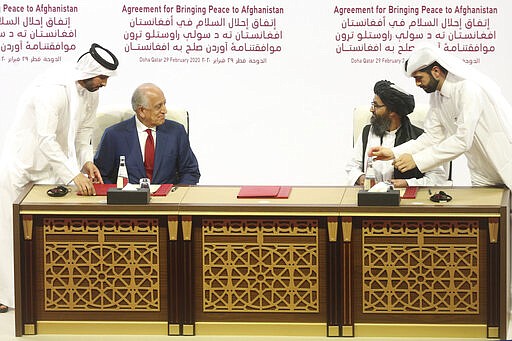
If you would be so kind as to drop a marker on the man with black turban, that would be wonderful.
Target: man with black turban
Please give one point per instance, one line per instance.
(390, 126)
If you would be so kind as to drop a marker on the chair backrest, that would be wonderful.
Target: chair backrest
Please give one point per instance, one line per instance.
(362, 115)
(108, 117)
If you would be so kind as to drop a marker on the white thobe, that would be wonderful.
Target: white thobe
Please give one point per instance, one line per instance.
(463, 120)
(49, 143)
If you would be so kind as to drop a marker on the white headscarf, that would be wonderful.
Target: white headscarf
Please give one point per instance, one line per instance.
(87, 67)
(69, 72)
(426, 54)
(97, 61)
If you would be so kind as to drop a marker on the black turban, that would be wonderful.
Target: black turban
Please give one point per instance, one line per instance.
(395, 100)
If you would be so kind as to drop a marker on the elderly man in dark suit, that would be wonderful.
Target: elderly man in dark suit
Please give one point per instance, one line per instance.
(154, 147)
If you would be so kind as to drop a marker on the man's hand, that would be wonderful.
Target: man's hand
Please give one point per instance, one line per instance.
(404, 163)
(398, 183)
(381, 153)
(93, 172)
(360, 180)
(84, 185)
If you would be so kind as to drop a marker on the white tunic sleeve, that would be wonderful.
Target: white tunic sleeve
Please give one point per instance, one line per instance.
(85, 130)
(354, 166)
(51, 120)
(461, 113)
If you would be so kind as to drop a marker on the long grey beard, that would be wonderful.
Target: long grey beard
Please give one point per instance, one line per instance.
(380, 124)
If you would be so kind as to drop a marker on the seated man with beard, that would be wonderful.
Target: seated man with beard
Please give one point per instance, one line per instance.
(390, 127)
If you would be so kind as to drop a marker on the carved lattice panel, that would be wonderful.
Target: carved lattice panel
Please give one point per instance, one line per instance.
(101, 264)
(260, 265)
(420, 267)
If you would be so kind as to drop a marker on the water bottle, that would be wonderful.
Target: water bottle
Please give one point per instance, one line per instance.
(369, 178)
(122, 173)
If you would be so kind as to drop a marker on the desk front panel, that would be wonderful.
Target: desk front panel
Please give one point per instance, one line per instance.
(101, 268)
(420, 270)
(260, 269)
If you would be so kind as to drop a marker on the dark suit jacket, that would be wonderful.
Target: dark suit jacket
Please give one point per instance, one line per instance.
(175, 163)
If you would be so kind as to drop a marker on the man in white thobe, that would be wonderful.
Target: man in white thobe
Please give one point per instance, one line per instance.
(50, 141)
(468, 115)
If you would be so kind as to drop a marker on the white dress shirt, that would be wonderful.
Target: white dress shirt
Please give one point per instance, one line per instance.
(143, 135)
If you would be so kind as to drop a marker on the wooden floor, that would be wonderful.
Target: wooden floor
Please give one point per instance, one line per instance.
(7, 334)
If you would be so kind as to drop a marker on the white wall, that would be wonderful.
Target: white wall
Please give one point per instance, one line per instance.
(284, 121)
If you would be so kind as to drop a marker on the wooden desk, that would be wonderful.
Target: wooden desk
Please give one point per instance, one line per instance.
(80, 262)
(201, 261)
(260, 264)
(428, 269)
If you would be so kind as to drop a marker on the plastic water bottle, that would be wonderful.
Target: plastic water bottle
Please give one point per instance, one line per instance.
(369, 178)
(122, 173)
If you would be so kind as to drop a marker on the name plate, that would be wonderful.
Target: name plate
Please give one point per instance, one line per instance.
(117, 196)
(389, 198)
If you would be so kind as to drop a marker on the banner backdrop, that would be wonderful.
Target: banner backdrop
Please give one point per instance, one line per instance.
(270, 85)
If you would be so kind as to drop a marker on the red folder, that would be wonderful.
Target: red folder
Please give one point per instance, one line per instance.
(101, 189)
(284, 192)
(410, 193)
(162, 190)
(258, 191)
(279, 192)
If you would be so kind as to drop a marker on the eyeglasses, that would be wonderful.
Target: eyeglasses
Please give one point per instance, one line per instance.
(374, 105)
